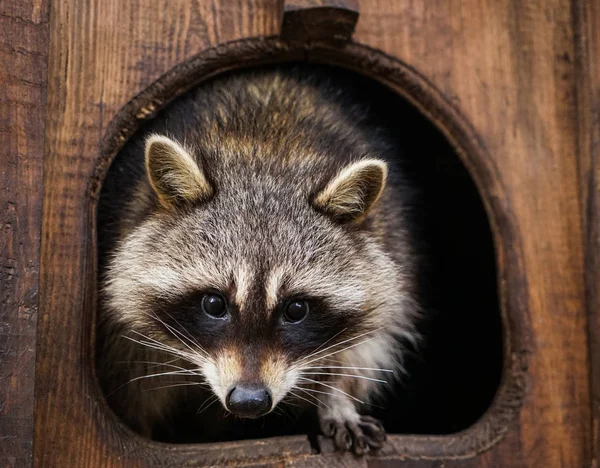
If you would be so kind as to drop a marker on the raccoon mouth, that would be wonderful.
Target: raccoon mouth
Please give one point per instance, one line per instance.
(249, 401)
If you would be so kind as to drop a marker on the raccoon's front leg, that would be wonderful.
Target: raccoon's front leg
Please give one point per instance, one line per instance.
(348, 429)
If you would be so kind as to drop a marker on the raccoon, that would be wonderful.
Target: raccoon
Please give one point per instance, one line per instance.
(262, 258)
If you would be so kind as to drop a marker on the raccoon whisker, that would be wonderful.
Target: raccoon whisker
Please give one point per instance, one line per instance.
(305, 399)
(287, 402)
(177, 334)
(152, 375)
(335, 361)
(333, 388)
(342, 342)
(293, 417)
(315, 391)
(207, 404)
(189, 337)
(333, 395)
(280, 411)
(179, 384)
(350, 368)
(170, 362)
(346, 375)
(154, 364)
(174, 332)
(323, 344)
(303, 364)
(338, 344)
(308, 392)
(154, 344)
(186, 372)
(164, 349)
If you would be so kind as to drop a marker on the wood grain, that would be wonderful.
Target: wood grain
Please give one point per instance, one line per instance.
(23, 55)
(588, 110)
(500, 81)
(307, 21)
(509, 67)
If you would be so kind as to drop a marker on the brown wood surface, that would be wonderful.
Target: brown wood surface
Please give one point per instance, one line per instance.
(315, 20)
(23, 55)
(588, 110)
(510, 68)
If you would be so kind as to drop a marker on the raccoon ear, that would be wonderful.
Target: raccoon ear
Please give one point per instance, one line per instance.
(350, 195)
(174, 174)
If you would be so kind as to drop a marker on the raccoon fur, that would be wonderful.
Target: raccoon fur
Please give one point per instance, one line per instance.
(261, 257)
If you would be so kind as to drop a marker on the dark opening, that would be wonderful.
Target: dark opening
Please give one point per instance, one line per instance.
(453, 376)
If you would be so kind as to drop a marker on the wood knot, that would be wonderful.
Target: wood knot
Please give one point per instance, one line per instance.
(310, 21)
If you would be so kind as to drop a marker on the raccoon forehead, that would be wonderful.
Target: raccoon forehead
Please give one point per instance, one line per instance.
(341, 289)
(130, 299)
(185, 258)
(171, 268)
(142, 268)
(133, 284)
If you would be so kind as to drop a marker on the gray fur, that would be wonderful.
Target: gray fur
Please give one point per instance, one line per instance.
(268, 142)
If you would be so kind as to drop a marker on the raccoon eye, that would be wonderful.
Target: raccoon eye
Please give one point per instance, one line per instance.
(214, 305)
(295, 311)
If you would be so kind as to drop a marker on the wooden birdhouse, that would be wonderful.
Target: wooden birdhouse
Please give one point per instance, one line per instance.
(499, 103)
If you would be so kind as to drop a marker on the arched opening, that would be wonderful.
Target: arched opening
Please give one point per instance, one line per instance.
(453, 376)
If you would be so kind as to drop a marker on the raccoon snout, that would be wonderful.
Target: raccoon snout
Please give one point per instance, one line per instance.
(249, 401)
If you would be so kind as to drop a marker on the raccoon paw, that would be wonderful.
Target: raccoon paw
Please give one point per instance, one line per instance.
(361, 436)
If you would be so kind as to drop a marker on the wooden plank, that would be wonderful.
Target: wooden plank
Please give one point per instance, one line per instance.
(319, 20)
(587, 17)
(23, 55)
(509, 66)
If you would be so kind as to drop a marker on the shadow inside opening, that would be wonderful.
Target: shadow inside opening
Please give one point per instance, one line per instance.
(453, 376)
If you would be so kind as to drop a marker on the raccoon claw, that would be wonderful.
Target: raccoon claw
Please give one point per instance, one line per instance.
(361, 436)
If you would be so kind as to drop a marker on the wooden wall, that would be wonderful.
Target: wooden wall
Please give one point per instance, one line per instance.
(587, 37)
(23, 80)
(523, 74)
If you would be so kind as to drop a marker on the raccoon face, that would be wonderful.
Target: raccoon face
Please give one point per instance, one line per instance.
(252, 277)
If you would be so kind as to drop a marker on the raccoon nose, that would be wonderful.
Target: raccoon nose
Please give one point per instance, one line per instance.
(249, 401)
